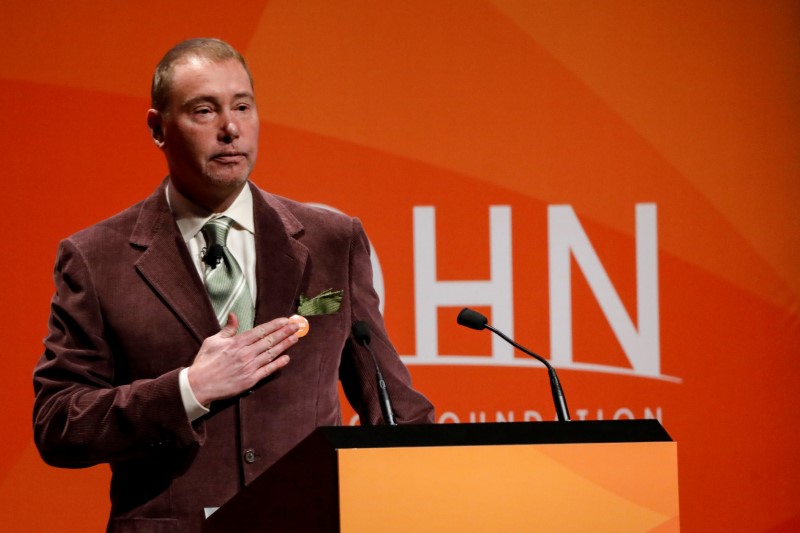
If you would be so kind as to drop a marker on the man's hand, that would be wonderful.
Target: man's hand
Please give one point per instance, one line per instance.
(228, 364)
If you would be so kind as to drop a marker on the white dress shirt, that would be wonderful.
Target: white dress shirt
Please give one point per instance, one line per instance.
(241, 243)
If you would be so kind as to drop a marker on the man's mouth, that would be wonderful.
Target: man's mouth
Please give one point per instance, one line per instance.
(228, 157)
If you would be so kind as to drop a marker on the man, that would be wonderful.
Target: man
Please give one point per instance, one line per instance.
(146, 370)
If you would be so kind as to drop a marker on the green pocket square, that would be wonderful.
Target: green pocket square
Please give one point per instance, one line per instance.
(325, 303)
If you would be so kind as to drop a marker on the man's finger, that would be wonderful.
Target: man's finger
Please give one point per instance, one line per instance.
(263, 330)
(275, 342)
(274, 365)
(267, 355)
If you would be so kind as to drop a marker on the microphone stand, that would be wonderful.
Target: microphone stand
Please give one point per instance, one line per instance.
(555, 385)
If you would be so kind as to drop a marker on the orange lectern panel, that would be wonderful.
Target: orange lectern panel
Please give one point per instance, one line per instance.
(546, 487)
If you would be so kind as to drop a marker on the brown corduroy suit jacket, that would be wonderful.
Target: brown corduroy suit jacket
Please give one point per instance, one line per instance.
(130, 311)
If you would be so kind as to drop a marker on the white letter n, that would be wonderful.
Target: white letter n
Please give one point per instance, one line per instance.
(565, 237)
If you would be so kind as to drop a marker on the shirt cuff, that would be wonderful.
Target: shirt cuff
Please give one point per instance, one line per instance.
(194, 409)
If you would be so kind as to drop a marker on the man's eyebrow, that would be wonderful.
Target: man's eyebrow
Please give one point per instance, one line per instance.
(203, 98)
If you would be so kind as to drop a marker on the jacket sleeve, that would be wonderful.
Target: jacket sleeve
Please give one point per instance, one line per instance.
(357, 371)
(82, 416)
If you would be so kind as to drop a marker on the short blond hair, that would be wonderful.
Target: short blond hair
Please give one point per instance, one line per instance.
(212, 49)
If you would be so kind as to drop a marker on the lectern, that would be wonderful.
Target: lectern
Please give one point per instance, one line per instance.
(539, 476)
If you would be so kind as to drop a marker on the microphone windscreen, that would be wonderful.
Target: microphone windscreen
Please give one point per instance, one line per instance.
(214, 255)
(361, 332)
(472, 319)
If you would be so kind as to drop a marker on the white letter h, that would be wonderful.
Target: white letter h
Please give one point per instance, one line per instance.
(430, 293)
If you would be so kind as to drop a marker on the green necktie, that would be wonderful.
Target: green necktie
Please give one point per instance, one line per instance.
(226, 285)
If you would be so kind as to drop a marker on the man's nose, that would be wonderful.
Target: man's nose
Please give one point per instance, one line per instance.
(229, 130)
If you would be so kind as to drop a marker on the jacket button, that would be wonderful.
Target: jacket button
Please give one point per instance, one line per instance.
(249, 456)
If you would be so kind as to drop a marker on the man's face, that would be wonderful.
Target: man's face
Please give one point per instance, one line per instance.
(209, 131)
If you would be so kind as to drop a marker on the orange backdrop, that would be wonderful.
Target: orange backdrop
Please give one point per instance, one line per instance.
(614, 183)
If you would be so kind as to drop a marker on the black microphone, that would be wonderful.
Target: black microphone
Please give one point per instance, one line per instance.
(362, 335)
(473, 319)
(213, 255)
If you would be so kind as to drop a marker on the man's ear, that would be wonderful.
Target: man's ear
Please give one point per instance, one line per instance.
(155, 124)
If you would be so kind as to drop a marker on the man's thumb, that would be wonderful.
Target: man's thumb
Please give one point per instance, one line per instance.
(231, 327)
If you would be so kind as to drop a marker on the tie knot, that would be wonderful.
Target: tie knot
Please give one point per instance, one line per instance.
(216, 231)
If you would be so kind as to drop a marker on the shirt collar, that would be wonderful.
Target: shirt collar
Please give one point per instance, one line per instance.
(191, 218)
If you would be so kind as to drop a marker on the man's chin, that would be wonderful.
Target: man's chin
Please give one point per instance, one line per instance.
(228, 181)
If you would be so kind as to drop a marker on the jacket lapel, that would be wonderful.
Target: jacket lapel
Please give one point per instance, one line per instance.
(280, 258)
(166, 266)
